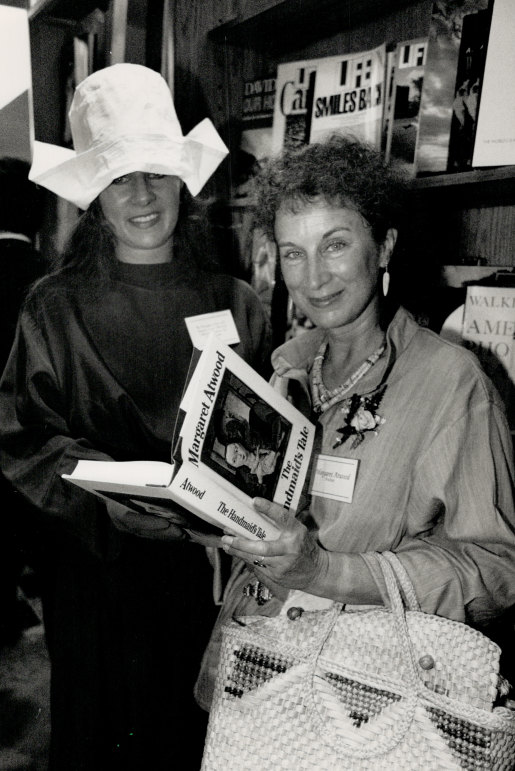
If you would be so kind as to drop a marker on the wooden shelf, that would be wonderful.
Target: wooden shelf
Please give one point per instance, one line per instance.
(475, 177)
(293, 23)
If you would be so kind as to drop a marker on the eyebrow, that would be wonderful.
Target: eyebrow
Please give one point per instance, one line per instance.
(326, 235)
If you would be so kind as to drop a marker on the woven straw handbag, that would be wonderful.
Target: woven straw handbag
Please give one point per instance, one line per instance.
(371, 688)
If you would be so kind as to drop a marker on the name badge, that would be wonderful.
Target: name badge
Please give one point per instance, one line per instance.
(220, 323)
(334, 477)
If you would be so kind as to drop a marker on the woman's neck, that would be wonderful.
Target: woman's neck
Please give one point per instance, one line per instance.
(349, 346)
(155, 256)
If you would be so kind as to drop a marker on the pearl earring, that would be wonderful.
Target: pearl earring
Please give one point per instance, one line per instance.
(386, 281)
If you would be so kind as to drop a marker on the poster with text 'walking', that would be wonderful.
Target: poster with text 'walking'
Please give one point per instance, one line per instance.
(489, 330)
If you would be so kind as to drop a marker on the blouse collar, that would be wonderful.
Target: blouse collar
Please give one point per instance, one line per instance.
(294, 358)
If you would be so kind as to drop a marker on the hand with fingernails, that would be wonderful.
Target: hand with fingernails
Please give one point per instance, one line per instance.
(294, 560)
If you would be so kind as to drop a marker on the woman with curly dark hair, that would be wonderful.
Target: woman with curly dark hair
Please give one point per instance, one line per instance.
(413, 415)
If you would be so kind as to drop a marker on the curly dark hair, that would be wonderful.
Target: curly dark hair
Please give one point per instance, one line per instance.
(342, 171)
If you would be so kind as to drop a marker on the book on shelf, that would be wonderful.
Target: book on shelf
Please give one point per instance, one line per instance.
(495, 135)
(458, 35)
(333, 94)
(256, 133)
(391, 55)
(404, 103)
(235, 438)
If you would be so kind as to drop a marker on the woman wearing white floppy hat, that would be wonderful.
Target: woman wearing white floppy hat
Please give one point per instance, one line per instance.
(97, 371)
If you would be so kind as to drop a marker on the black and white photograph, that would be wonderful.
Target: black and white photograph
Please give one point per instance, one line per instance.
(257, 420)
(246, 439)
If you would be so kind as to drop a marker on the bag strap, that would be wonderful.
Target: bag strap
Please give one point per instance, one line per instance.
(396, 578)
(399, 612)
(403, 580)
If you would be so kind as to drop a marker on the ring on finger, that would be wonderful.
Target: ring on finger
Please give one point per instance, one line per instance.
(259, 563)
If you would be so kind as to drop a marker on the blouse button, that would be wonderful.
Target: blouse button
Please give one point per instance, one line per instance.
(294, 613)
(426, 662)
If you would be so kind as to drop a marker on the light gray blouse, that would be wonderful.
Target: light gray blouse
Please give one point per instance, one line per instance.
(434, 483)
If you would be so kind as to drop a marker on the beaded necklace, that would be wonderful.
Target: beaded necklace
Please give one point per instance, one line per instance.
(323, 398)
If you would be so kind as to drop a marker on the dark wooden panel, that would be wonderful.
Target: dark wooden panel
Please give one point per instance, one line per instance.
(292, 23)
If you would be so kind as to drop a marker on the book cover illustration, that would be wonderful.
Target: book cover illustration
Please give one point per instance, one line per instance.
(235, 438)
(452, 78)
(468, 87)
(408, 78)
(349, 96)
(495, 135)
(246, 439)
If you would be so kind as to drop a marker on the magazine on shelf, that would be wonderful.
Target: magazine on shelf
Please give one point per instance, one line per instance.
(332, 94)
(235, 438)
(391, 56)
(458, 34)
(256, 133)
(295, 85)
(349, 96)
(404, 105)
(495, 135)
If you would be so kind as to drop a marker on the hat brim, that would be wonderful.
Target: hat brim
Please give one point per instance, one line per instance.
(81, 177)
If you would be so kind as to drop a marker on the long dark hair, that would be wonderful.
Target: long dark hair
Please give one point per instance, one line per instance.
(86, 262)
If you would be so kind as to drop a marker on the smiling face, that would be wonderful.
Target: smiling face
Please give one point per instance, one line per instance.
(330, 262)
(142, 211)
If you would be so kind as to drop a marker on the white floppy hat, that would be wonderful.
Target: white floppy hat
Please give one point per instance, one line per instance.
(122, 120)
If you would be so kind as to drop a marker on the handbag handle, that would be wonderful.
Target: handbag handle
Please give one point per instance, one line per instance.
(403, 579)
(395, 576)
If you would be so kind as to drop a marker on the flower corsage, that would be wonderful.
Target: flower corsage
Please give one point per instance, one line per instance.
(360, 415)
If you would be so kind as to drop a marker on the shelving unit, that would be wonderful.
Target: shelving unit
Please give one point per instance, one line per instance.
(494, 175)
(280, 25)
(220, 43)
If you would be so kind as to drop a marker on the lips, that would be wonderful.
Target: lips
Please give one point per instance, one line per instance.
(144, 220)
(326, 300)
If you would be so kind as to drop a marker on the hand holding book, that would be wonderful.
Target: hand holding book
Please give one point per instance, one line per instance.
(294, 560)
(150, 525)
(235, 438)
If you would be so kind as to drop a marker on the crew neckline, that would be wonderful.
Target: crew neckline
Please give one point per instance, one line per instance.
(151, 276)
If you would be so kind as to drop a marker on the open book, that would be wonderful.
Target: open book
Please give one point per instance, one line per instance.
(235, 438)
